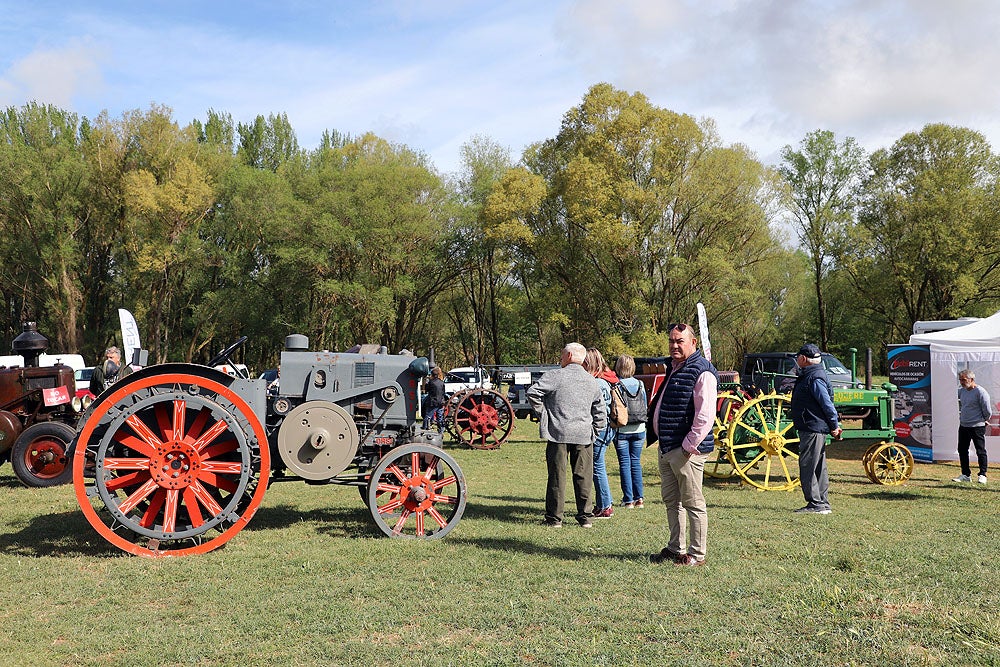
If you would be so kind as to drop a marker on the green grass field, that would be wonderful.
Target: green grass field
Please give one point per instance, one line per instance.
(895, 576)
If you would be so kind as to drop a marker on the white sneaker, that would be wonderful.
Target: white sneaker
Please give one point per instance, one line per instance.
(962, 478)
(982, 479)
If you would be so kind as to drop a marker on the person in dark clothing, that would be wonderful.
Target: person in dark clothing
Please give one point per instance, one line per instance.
(434, 405)
(814, 417)
(108, 371)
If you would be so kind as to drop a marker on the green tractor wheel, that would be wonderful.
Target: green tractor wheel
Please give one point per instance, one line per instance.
(763, 446)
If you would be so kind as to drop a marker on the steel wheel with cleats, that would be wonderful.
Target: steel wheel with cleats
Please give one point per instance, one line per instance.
(417, 492)
(891, 464)
(763, 444)
(483, 419)
(171, 463)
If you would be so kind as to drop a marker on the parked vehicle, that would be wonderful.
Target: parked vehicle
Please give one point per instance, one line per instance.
(467, 377)
(776, 371)
(38, 413)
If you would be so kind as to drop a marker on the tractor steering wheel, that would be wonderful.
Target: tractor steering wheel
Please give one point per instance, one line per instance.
(223, 357)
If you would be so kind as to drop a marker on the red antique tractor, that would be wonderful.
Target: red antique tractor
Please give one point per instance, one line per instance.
(37, 414)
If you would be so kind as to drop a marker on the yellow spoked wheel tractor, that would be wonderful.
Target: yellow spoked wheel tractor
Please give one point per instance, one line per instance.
(756, 441)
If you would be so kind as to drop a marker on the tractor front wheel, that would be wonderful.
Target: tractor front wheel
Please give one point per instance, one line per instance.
(417, 491)
(41, 455)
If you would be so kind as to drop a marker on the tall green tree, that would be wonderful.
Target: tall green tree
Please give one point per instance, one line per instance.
(645, 214)
(824, 178)
(925, 246)
(43, 184)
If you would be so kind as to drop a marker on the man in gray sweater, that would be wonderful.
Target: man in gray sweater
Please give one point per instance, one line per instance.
(572, 412)
(973, 412)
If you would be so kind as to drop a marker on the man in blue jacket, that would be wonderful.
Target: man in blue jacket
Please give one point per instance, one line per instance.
(815, 417)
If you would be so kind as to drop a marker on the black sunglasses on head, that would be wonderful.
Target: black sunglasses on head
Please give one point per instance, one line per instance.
(679, 327)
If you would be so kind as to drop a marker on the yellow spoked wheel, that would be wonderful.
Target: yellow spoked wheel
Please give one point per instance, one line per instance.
(891, 464)
(727, 405)
(762, 444)
(866, 461)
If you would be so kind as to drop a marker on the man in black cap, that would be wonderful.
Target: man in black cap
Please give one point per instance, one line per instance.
(815, 417)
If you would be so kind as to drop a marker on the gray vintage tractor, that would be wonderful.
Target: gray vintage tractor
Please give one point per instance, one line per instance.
(175, 458)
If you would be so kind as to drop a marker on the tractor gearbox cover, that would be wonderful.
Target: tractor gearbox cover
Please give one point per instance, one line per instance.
(318, 440)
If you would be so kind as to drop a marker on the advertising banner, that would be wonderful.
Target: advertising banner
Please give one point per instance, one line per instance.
(910, 371)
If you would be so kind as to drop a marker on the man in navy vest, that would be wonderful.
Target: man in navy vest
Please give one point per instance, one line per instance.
(680, 421)
(814, 416)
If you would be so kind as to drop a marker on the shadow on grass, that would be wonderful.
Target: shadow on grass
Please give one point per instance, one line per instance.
(62, 534)
(512, 509)
(507, 545)
(337, 522)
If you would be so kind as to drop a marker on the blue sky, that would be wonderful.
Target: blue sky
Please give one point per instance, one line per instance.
(433, 74)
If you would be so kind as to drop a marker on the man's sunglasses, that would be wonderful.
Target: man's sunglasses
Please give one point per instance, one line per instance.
(679, 327)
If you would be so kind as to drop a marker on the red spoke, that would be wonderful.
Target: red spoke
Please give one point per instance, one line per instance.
(218, 428)
(180, 408)
(197, 426)
(191, 505)
(218, 482)
(162, 416)
(395, 470)
(448, 500)
(140, 494)
(431, 467)
(148, 519)
(223, 467)
(205, 498)
(420, 523)
(415, 464)
(143, 431)
(127, 480)
(444, 482)
(134, 443)
(391, 506)
(398, 528)
(220, 448)
(126, 464)
(441, 521)
(170, 513)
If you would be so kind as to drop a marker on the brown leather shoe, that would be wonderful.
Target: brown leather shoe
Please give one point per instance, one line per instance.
(665, 556)
(689, 561)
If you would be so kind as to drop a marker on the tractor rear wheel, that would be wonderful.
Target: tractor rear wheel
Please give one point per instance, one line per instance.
(41, 455)
(763, 444)
(417, 491)
(171, 463)
(483, 419)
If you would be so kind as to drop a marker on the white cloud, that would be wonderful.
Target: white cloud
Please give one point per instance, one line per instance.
(54, 76)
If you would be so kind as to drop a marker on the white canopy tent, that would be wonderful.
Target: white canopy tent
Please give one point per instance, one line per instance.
(975, 346)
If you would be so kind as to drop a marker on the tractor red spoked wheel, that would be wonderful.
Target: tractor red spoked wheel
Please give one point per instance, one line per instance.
(417, 491)
(448, 415)
(483, 419)
(171, 464)
(41, 454)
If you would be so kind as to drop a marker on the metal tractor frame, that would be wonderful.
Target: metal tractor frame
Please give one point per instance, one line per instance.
(175, 459)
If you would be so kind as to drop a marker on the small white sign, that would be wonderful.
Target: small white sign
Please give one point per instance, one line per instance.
(522, 378)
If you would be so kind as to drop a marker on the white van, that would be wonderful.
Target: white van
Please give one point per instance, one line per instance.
(466, 377)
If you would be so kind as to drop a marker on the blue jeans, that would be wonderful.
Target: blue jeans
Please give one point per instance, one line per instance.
(629, 447)
(601, 487)
(436, 417)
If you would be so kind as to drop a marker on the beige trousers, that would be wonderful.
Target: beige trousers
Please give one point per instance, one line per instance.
(680, 487)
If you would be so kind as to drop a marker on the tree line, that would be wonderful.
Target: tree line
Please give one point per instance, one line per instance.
(606, 234)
